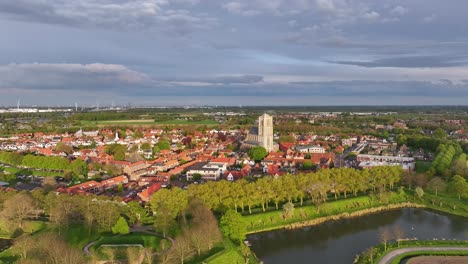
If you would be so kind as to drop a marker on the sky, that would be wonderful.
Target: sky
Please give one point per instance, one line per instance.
(233, 52)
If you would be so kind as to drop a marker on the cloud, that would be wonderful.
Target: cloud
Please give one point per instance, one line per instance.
(49, 76)
(371, 15)
(398, 11)
(225, 80)
(119, 14)
(411, 62)
(240, 9)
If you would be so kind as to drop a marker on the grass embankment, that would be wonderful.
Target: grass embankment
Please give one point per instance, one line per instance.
(445, 204)
(230, 255)
(308, 215)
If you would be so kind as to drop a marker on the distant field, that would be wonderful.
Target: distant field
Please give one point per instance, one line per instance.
(186, 122)
(149, 122)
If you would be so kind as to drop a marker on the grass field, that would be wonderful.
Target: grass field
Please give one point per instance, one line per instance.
(186, 122)
(230, 255)
(273, 219)
(422, 166)
(146, 240)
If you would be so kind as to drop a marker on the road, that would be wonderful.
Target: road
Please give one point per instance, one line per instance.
(387, 259)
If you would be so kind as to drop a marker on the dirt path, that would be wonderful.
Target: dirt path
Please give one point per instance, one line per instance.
(387, 259)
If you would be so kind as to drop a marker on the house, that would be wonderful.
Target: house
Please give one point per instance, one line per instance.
(93, 187)
(136, 170)
(114, 182)
(310, 149)
(147, 193)
(147, 180)
(233, 175)
(207, 170)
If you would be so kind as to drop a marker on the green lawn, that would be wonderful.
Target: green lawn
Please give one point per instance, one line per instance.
(422, 166)
(230, 255)
(78, 235)
(28, 227)
(273, 219)
(450, 205)
(146, 240)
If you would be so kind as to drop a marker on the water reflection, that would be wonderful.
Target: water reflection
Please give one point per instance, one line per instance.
(340, 241)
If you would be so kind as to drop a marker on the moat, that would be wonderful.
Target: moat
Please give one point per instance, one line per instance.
(340, 241)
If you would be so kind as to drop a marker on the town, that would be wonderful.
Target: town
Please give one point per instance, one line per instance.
(228, 162)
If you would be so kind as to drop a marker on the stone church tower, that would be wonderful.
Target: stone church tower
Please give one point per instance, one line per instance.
(265, 132)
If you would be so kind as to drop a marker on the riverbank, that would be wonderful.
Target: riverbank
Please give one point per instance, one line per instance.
(351, 207)
(311, 215)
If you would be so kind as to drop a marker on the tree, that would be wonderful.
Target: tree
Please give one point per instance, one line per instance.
(233, 226)
(156, 149)
(384, 236)
(134, 255)
(307, 165)
(458, 186)
(119, 156)
(163, 145)
(121, 227)
(19, 208)
(182, 247)
(419, 192)
(62, 147)
(398, 233)
(167, 205)
(258, 153)
(204, 231)
(436, 185)
(287, 139)
(288, 210)
(197, 177)
(79, 167)
(146, 146)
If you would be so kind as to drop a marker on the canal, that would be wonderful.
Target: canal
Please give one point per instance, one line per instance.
(340, 241)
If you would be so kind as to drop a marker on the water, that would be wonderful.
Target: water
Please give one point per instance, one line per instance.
(340, 241)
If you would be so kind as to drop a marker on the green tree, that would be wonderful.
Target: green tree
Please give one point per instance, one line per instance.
(288, 210)
(436, 185)
(121, 227)
(307, 165)
(233, 226)
(79, 167)
(146, 146)
(156, 149)
(163, 145)
(419, 192)
(258, 153)
(62, 147)
(197, 177)
(458, 186)
(119, 155)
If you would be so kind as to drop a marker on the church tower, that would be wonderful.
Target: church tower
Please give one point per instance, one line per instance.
(265, 131)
